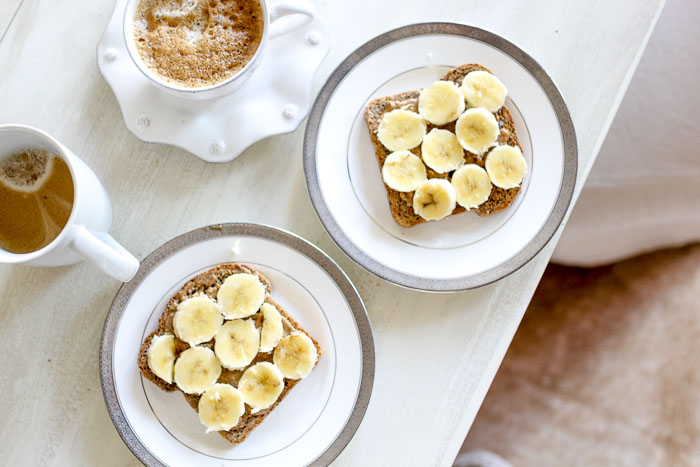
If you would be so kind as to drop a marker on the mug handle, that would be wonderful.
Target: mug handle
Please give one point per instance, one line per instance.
(278, 10)
(106, 253)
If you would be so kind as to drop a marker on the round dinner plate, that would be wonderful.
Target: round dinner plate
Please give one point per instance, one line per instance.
(462, 251)
(319, 416)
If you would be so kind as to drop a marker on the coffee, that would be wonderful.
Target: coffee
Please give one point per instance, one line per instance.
(197, 43)
(36, 199)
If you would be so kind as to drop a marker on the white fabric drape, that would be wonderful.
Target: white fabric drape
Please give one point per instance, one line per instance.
(643, 192)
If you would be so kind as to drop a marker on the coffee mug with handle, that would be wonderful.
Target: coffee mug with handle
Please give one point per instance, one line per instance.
(272, 28)
(85, 234)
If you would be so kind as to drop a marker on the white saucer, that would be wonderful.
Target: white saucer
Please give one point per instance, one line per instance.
(312, 424)
(462, 251)
(274, 100)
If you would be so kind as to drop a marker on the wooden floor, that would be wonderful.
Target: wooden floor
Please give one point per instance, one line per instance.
(604, 370)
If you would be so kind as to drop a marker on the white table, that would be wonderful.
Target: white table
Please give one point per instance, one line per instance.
(51, 407)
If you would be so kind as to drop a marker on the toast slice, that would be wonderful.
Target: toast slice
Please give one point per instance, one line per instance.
(208, 283)
(401, 204)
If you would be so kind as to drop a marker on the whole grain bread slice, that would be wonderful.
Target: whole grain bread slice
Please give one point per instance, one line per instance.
(401, 204)
(208, 283)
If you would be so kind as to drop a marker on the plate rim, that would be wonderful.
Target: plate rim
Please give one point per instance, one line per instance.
(268, 232)
(532, 248)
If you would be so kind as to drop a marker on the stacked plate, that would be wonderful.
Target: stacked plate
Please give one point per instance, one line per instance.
(459, 252)
(316, 420)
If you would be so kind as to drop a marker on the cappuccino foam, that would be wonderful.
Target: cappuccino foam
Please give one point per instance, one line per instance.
(197, 43)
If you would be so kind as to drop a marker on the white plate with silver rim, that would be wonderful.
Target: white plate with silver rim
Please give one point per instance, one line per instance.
(462, 251)
(320, 415)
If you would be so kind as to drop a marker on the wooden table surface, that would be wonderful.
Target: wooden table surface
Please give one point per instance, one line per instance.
(436, 354)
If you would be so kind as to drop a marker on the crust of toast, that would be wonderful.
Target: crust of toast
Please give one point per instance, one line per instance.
(401, 204)
(208, 283)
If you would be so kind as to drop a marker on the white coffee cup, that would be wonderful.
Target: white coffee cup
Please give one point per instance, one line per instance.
(272, 28)
(85, 234)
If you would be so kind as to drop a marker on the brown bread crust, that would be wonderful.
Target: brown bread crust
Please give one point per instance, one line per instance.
(401, 204)
(208, 283)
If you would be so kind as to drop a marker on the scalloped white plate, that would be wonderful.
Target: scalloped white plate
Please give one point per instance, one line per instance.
(274, 100)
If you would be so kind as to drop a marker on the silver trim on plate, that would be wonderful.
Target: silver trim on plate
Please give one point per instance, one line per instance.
(237, 229)
(566, 189)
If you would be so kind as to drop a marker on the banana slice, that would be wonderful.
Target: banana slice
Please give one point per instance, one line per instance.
(403, 171)
(441, 151)
(506, 166)
(441, 102)
(161, 356)
(261, 385)
(220, 407)
(197, 320)
(237, 343)
(482, 89)
(240, 295)
(434, 199)
(295, 356)
(477, 130)
(472, 185)
(401, 129)
(196, 370)
(272, 328)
